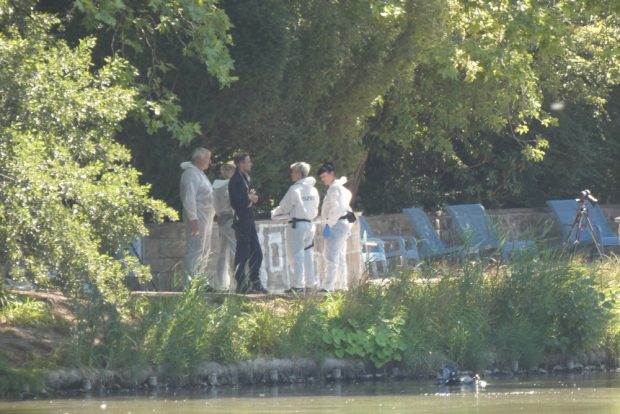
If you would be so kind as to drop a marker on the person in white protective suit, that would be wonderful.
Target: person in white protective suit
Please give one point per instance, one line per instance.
(337, 228)
(198, 211)
(300, 206)
(224, 218)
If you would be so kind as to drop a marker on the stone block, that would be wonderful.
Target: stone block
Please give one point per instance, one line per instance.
(164, 265)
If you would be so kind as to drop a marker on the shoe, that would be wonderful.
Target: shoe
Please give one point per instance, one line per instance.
(241, 290)
(209, 289)
(258, 289)
(295, 290)
(323, 291)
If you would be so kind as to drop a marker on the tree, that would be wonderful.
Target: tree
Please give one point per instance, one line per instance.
(308, 74)
(71, 202)
(156, 37)
(465, 82)
(475, 110)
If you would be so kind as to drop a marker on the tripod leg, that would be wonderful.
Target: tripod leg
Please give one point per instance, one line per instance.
(597, 244)
(578, 233)
(573, 227)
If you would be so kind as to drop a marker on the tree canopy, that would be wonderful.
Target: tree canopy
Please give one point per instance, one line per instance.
(466, 83)
(475, 120)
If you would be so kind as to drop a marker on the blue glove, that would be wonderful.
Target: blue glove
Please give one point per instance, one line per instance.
(326, 231)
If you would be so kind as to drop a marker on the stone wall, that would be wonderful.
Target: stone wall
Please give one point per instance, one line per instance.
(164, 248)
(516, 223)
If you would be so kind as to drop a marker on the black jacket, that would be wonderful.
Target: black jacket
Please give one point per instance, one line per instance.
(239, 191)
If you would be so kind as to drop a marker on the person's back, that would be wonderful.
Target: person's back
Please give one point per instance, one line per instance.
(221, 198)
(309, 197)
(225, 217)
(300, 202)
(239, 188)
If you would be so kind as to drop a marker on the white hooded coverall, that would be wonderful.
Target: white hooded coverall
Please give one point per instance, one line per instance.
(197, 199)
(335, 206)
(301, 202)
(227, 240)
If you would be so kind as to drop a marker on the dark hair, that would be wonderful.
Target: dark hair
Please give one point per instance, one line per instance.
(239, 158)
(326, 167)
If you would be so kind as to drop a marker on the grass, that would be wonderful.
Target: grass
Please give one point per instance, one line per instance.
(477, 314)
(28, 312)
(14, 381)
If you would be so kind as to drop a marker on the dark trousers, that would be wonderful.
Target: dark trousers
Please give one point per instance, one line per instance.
(248, 256)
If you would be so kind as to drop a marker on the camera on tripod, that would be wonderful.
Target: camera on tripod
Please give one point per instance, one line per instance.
(586, 195)
(582, 223)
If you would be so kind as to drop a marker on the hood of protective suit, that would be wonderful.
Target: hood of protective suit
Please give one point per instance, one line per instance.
(220, 183)
(311, 181)
(187, 164)
(341, 180)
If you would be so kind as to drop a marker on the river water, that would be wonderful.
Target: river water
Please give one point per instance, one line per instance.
(588, 393)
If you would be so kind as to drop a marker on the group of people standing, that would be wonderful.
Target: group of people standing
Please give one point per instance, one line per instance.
(231, 201)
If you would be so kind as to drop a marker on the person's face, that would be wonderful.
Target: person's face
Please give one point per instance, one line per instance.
(229, 173)
(246, 165)
(327, 178)
(203, 162)
(295, 175)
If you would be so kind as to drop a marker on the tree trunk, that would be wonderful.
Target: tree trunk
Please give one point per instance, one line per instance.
(358, 175)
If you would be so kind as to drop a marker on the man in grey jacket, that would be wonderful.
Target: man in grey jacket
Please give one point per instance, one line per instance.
(198, 211)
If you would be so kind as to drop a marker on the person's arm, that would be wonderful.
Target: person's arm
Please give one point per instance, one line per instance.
(189, 188)
(283, 211)
(334, 209)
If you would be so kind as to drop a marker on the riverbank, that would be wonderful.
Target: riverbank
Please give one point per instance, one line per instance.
(540, 314)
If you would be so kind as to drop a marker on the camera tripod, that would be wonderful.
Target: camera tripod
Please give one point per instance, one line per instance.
(582, 222)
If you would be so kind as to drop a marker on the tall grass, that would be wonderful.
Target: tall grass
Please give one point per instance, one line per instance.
(29, 312)
(4, 293)
(477, 314)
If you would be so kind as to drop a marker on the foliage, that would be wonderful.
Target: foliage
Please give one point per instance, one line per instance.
(474, 118)
(559, 307)
(477, 314)
(305, 75)
(98, 335)
(14, 380)
(183, 328)
(582, 154)
(381, 343)
(70, 199)
(5, 295)
(449, 99)
(154, 37)
(28, 313)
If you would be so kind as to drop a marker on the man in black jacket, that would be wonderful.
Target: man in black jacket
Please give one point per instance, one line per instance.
(248, 255)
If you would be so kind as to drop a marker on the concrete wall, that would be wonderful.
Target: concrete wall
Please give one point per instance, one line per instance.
(164, 248)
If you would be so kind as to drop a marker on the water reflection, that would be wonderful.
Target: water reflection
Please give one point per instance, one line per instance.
(590, 393)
